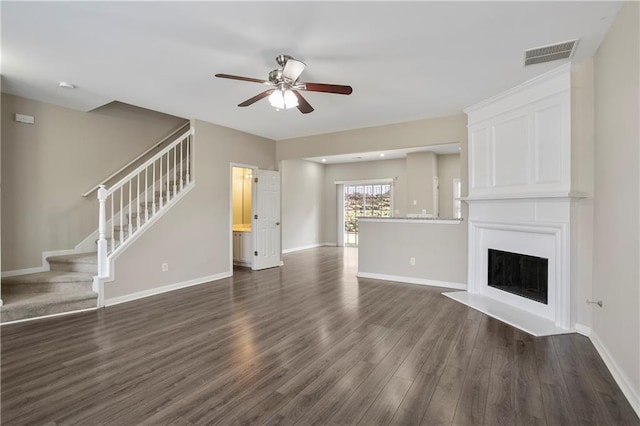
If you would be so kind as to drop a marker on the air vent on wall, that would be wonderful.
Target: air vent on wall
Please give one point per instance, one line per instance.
(549, 53)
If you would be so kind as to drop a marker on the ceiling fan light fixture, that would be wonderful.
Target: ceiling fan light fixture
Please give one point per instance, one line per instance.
(276, 99)
(290, 99)
(283, 99)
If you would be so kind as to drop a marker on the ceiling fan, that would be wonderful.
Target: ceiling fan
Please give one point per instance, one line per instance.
(285, 92)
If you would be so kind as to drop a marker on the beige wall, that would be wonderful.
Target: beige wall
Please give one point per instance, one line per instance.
(448, 169)
(422, 168)
(616, 257)
(403, 135)
(302, 203)
(440, 250)
(366, 170)
(194, 237)
(47, 167)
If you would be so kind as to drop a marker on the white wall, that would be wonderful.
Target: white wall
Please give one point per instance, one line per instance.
(302, 203)
(383, 169)
(616, 278)
(448, 169)
(47, 167)
(194, 237)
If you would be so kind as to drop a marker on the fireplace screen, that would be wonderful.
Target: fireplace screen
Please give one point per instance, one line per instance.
(519, 274)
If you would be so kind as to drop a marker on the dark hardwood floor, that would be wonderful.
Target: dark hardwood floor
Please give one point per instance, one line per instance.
(307, 343)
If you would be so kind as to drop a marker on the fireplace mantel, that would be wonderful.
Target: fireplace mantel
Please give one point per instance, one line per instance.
(528, 177)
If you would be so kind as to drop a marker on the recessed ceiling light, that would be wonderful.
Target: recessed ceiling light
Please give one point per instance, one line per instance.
(381, 155)
(66, 85)
(324, 160)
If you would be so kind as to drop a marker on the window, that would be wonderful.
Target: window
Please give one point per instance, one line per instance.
(366, 200)
(457, 204)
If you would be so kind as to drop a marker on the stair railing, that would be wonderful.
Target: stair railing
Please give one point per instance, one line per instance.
(141, 196)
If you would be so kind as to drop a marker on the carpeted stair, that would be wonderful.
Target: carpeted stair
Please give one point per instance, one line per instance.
(65, 288)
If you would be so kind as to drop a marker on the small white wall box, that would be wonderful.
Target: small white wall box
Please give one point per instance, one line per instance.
(22, 118)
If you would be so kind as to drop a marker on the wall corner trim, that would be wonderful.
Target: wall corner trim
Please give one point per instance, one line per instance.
(583, 330)
(158, 290)
(618, 375)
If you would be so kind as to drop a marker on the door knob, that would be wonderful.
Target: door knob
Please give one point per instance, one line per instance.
(277, 223)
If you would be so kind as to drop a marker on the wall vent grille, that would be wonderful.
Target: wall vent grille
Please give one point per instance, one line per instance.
(549, 53)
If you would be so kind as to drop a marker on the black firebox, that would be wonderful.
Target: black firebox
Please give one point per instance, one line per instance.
(519, 274)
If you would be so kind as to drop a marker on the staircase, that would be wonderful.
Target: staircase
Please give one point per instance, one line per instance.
(126, 208)
(66, 287)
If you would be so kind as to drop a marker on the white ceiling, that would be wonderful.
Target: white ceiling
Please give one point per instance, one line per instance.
(392, 154)
(405, 61)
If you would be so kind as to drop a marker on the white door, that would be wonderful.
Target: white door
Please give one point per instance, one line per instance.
(266, 222)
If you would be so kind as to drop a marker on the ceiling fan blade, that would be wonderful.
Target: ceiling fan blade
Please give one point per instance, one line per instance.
(237, 77)
(327, 88)
(303, 105)
(292, 69)
(256, 98)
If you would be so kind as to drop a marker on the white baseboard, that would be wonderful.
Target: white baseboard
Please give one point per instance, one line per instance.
(45, 264)
(164, 289)
(413, 280)
(310, 246)
(618, 375)
(583, 329)
(49, 316)
(34, 270)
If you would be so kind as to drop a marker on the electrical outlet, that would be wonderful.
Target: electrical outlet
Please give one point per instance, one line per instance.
(412, 261)
(165, 267)
(415, 202)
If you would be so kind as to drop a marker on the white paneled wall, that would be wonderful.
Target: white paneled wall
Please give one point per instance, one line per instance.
(520, 147)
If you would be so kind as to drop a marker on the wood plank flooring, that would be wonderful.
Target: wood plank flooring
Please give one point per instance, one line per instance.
(304, 344)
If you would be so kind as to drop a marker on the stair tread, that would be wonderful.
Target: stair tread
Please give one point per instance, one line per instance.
(22, 300)
(48, 276)
(91, 257)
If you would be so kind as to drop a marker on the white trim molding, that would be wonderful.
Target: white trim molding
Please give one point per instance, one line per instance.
(59, 314)
(618, 374)
(411, 220)
(554, 242)
(45, 264)
(164, 289)
(307, 247)
(412, 280)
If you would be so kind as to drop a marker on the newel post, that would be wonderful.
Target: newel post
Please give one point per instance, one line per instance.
(102, 232)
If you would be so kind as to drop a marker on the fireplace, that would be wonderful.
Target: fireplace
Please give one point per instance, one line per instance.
(519, 274)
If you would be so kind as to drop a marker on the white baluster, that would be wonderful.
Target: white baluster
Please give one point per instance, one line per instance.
(102, 231)
(153, 188)
(175, 183)
(130, 225)
(121, 215)
(187, 177)
(146, 190)
(138, 202)
(112, 217)
(181, 171)
(160, 182)
(167, 180)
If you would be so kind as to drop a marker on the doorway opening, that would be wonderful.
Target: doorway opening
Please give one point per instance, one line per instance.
(241, 215)
(364, 200)
(254, 217)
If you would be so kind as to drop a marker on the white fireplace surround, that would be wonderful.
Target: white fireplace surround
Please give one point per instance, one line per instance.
(549, 240)
(528, 153)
